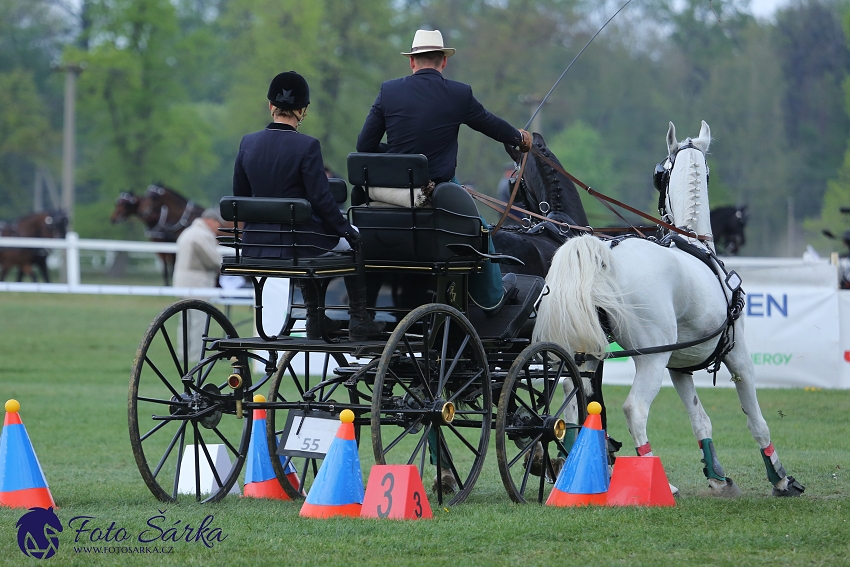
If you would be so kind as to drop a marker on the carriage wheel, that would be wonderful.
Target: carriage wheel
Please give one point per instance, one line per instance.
(295, 374)
(181, 439)
(432, 406)
(537, 419)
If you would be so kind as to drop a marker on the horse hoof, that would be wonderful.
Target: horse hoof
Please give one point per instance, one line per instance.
(793, 488)
(724, 488)
(448, 481)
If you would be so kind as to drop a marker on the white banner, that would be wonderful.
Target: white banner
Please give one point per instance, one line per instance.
(796, 327)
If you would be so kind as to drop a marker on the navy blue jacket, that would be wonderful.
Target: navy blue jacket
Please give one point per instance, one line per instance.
(422, 114)
(280, 162)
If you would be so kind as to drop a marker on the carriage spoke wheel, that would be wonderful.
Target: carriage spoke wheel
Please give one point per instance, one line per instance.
(297, 373)
(187, 440)
(541, 409)
(431, 405)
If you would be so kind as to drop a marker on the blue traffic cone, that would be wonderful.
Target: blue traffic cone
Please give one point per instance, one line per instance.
(585, 477)
(260, 480)
(22, 483)
(338, 487)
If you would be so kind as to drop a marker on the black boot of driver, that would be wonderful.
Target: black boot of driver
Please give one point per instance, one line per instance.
(311, 301)
(360, 323)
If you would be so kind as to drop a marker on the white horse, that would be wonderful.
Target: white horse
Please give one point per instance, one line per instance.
(659, 295)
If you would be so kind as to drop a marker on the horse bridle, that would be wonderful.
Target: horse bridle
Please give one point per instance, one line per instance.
(663, 170)
(608, 201)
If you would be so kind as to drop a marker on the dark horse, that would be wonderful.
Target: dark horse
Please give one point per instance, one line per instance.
(37, 225)
(727, 226)
(548, 193)
(165, 214)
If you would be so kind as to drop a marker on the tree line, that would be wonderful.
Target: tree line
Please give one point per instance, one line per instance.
(170, 87)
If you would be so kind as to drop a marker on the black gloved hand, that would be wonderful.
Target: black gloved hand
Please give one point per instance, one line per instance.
(353, 239)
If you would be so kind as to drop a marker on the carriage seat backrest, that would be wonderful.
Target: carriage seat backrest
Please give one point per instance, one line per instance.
(265, 210)
(339, 189)
(388, 170)
(287, 217)
(454, 198)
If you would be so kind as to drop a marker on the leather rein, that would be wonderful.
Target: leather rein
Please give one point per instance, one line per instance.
(506, 208)
(605, 200)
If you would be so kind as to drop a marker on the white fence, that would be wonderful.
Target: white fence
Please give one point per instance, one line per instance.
(797, 320)
(72, 244)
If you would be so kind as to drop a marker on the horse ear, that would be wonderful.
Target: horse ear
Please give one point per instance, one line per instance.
(672, 144)
(704, 139)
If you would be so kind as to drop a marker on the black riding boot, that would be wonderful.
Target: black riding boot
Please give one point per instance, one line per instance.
(360, 323)
(311, 301)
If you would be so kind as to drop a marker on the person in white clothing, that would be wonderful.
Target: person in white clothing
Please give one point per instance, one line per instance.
(198, 254)
(198, 265)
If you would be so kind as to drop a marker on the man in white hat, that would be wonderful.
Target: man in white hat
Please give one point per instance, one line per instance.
(421, 114)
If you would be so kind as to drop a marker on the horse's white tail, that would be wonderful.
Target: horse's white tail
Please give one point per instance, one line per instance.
(580, 280)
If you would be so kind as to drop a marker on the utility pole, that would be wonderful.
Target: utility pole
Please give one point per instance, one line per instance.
(791, 235)
(71, 70)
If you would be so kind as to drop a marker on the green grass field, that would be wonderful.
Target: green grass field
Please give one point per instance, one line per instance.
(67, 360)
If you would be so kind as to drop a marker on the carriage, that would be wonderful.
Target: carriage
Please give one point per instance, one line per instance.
(442, 379)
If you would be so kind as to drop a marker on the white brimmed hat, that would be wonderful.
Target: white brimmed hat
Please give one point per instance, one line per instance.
(426, 40)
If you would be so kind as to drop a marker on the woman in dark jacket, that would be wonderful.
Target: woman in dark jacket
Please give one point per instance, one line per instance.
(281, 162)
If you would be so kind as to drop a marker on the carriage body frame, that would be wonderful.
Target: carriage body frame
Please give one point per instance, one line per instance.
(431, 375)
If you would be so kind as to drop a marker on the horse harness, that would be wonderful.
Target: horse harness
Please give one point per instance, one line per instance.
(734, 308)
(161, 229)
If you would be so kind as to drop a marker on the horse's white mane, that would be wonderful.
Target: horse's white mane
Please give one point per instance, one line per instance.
(687, 195)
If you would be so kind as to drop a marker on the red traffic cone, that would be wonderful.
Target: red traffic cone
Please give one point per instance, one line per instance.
(639, 481)
(22, 483)
(584, 478)
(260, 480)
(338, 487)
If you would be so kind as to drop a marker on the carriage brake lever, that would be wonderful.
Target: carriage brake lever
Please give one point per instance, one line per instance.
(543, 293)
(469, 250)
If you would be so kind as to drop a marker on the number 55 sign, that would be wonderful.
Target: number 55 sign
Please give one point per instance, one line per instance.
(395, 492)
(308, 436)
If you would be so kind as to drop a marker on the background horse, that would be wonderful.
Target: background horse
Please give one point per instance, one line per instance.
(165, 214)
(655, 296)
(545, 192)
(174, 212)
(727, 224)
(37, 225)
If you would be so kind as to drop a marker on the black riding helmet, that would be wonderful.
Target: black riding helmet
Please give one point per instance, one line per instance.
(289, 91)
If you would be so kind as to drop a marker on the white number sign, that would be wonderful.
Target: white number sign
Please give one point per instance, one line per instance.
(308, 436)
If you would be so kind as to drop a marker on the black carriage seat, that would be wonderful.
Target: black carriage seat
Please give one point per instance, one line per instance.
(511, 321)
(448, 232)
(288, 212)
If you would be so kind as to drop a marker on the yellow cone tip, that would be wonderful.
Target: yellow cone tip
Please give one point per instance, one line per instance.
(346, 416)
(259, 398)
(13, 406)
(594, 408)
